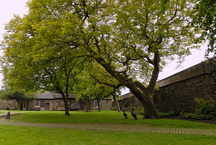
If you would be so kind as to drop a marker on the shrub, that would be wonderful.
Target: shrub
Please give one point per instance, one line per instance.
(205, 107)
(197, 116)
(205, 110)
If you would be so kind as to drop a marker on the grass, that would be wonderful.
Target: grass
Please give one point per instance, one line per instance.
(17, 135)
(108, 117)
(2, 112)
(42, 136)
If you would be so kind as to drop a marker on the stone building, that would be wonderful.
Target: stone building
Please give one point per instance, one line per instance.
(52, 101)
(42, 101)
(178, 92)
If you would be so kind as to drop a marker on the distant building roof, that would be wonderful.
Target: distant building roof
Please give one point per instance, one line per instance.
(51, 95)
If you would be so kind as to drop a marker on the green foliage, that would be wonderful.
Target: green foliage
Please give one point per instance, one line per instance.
(95, 83)
(205, 107)
(205, 18)
(34, 61)
(125, 42)
(126, 38)
(194, 116)
(205, 110)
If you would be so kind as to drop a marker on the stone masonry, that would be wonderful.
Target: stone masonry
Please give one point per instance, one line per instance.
(178, 92)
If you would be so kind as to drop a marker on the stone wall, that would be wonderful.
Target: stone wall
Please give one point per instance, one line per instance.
(178, 92)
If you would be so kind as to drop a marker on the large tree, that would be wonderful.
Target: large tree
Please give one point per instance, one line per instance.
(129, 39)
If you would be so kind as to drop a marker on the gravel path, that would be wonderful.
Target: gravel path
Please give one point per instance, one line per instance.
(115, 127)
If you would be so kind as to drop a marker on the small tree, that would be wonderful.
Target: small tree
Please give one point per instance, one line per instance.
(90, 88)
(45, 65)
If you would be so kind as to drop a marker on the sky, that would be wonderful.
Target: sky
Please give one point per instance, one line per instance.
(9, 8)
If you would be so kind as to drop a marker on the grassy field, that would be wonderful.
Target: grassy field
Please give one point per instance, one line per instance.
(23, 135)
(42, 136)
(108, 117)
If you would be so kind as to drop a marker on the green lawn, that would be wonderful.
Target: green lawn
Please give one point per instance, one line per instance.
(42, 136)
(21, 135)
(109, 117)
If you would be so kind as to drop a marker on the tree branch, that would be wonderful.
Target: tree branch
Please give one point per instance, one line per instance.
(104, 83)
(156, 70)
(174, 15)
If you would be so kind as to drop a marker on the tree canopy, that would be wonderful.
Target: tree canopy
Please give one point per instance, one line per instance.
(127, 40)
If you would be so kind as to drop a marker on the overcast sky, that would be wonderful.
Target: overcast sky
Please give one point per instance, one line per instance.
(9, 8)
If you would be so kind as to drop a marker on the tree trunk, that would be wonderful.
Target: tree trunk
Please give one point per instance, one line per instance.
(21, 105)
(116, 103)
(27, 105)
(67, 107)
(88, 104)
(98, 104)
(144, 97)
(150, 110)
(66, 104)
(142, 93)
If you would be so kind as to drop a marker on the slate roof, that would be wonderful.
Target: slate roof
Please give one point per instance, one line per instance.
(51, 95)
(194, 71)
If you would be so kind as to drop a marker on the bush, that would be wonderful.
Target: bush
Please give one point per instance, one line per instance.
(205, 107)
(198, 116)
(205, 110)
